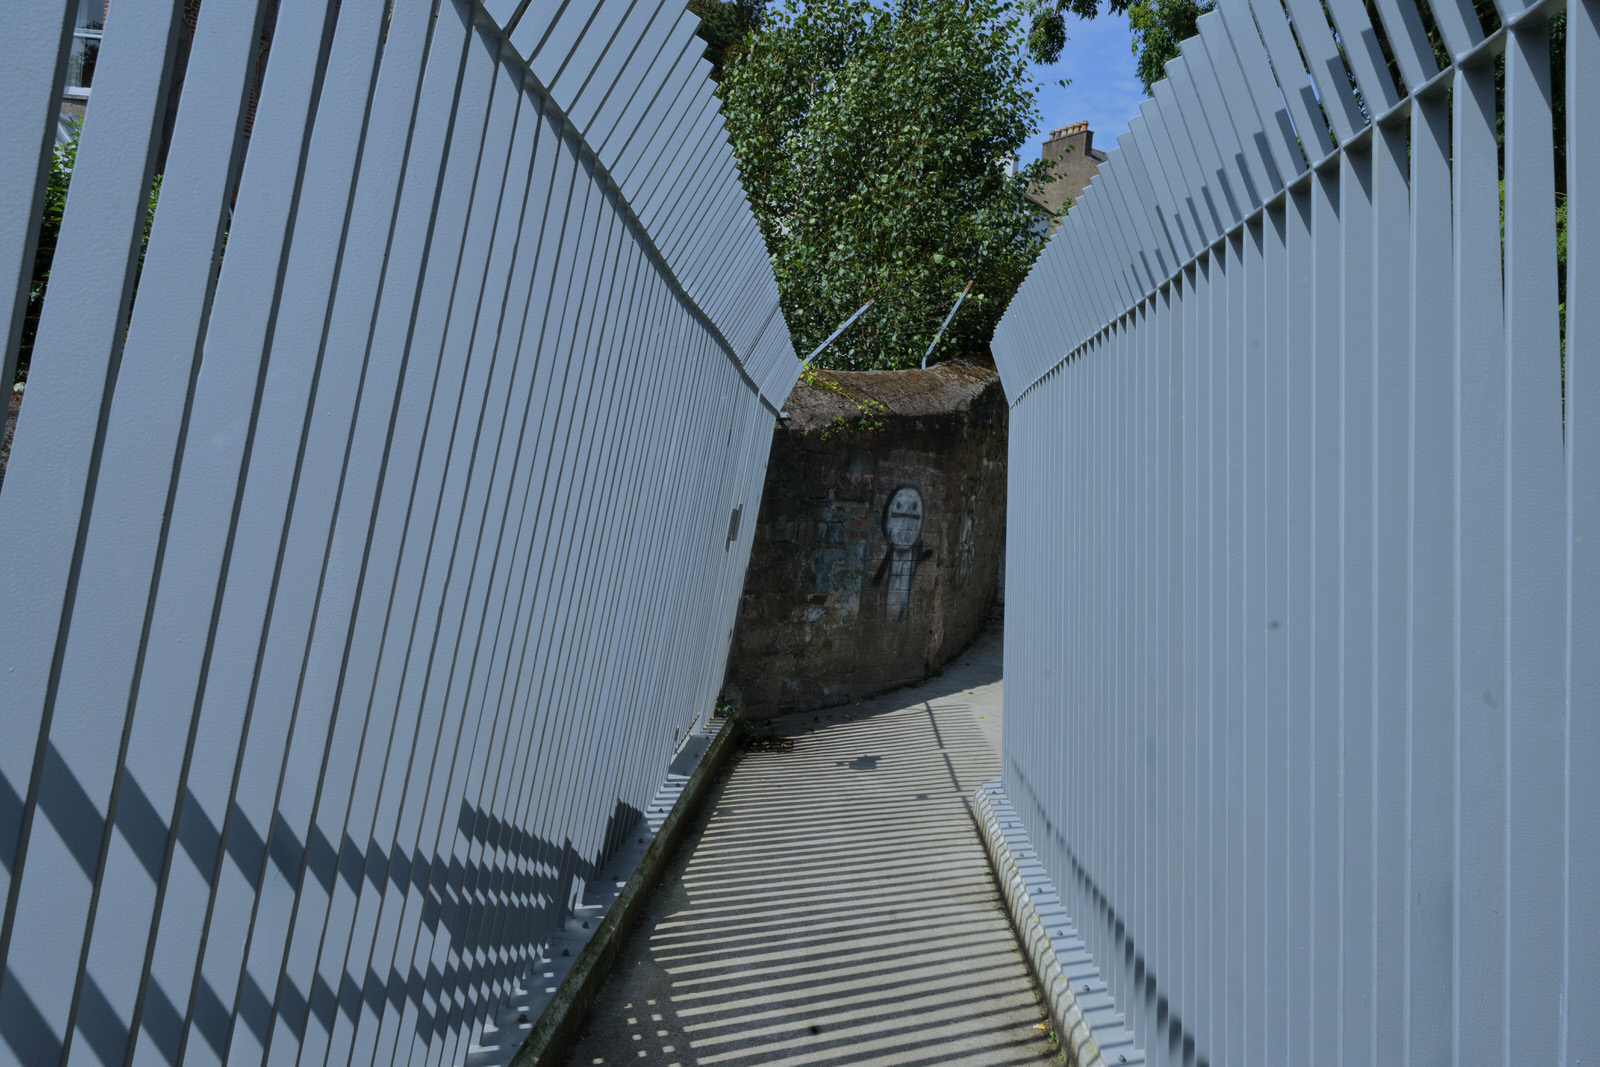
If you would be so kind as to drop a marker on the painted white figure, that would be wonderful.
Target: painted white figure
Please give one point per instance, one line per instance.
(902, 528)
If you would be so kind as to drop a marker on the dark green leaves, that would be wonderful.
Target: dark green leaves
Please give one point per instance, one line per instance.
(872, 142)
(1159, 26)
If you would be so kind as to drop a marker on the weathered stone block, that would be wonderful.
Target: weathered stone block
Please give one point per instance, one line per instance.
(879, 538)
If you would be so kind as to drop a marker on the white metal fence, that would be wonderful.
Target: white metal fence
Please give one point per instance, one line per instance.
(1303, 647)
(368, 547)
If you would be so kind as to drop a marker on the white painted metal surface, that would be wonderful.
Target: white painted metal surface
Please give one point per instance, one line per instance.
(368, 542)
(1302, 700)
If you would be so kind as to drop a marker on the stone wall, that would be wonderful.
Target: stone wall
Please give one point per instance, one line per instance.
(879, 536)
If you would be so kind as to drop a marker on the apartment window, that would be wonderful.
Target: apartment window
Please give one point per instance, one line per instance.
(85, 46)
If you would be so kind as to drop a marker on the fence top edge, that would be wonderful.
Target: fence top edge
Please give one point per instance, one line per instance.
(1476, 57)
(531, 82)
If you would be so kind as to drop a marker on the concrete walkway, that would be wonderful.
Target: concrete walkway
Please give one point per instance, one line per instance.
(833, 905)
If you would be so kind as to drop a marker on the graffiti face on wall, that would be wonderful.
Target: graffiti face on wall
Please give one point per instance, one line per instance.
(902, 519)
(902, 528)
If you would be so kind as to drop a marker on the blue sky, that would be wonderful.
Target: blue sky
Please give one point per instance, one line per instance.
(1102, 88)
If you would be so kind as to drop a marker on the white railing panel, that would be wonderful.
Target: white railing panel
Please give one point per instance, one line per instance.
(1240, 163)
(30, 83)
(123, 551)
(1391, 408)
(1459, 26)
(1535, 567)
(1408, 39)
(1582, 955)
(1298, 658)
(1248, 124)
(1358, 44)
(1273, 869)
(1358, 703)
(1432, 794)
(1151, 195)
(1165, 198)
(1481, 501)
(1328, 72)
(1272, 104)
(1265, 17)
(606, 71)
(393, 561)
(1361, 845)
(74, 364)
(1196, 182)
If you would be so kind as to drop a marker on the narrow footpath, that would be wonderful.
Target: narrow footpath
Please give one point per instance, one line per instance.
(832, 903)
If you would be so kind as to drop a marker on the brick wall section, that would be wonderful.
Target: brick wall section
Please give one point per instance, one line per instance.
(877, 548)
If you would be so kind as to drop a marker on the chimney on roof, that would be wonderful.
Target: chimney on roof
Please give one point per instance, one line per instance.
(1076, 139)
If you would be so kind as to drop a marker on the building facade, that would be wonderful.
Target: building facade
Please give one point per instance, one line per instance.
(1073, 162)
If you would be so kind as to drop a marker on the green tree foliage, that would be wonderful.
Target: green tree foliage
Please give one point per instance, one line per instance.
(871, 140)
(64, 158)
(1158, 26)
(724, 24)
(1047, 33)
(65, 154)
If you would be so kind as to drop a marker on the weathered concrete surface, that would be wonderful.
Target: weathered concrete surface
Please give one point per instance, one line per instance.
(878, 542)
(1092, 1031)
(835, 905)
(567, 1008)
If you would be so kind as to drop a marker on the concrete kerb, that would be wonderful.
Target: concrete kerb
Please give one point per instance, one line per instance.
(553, 1032)
(1089, 1029)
